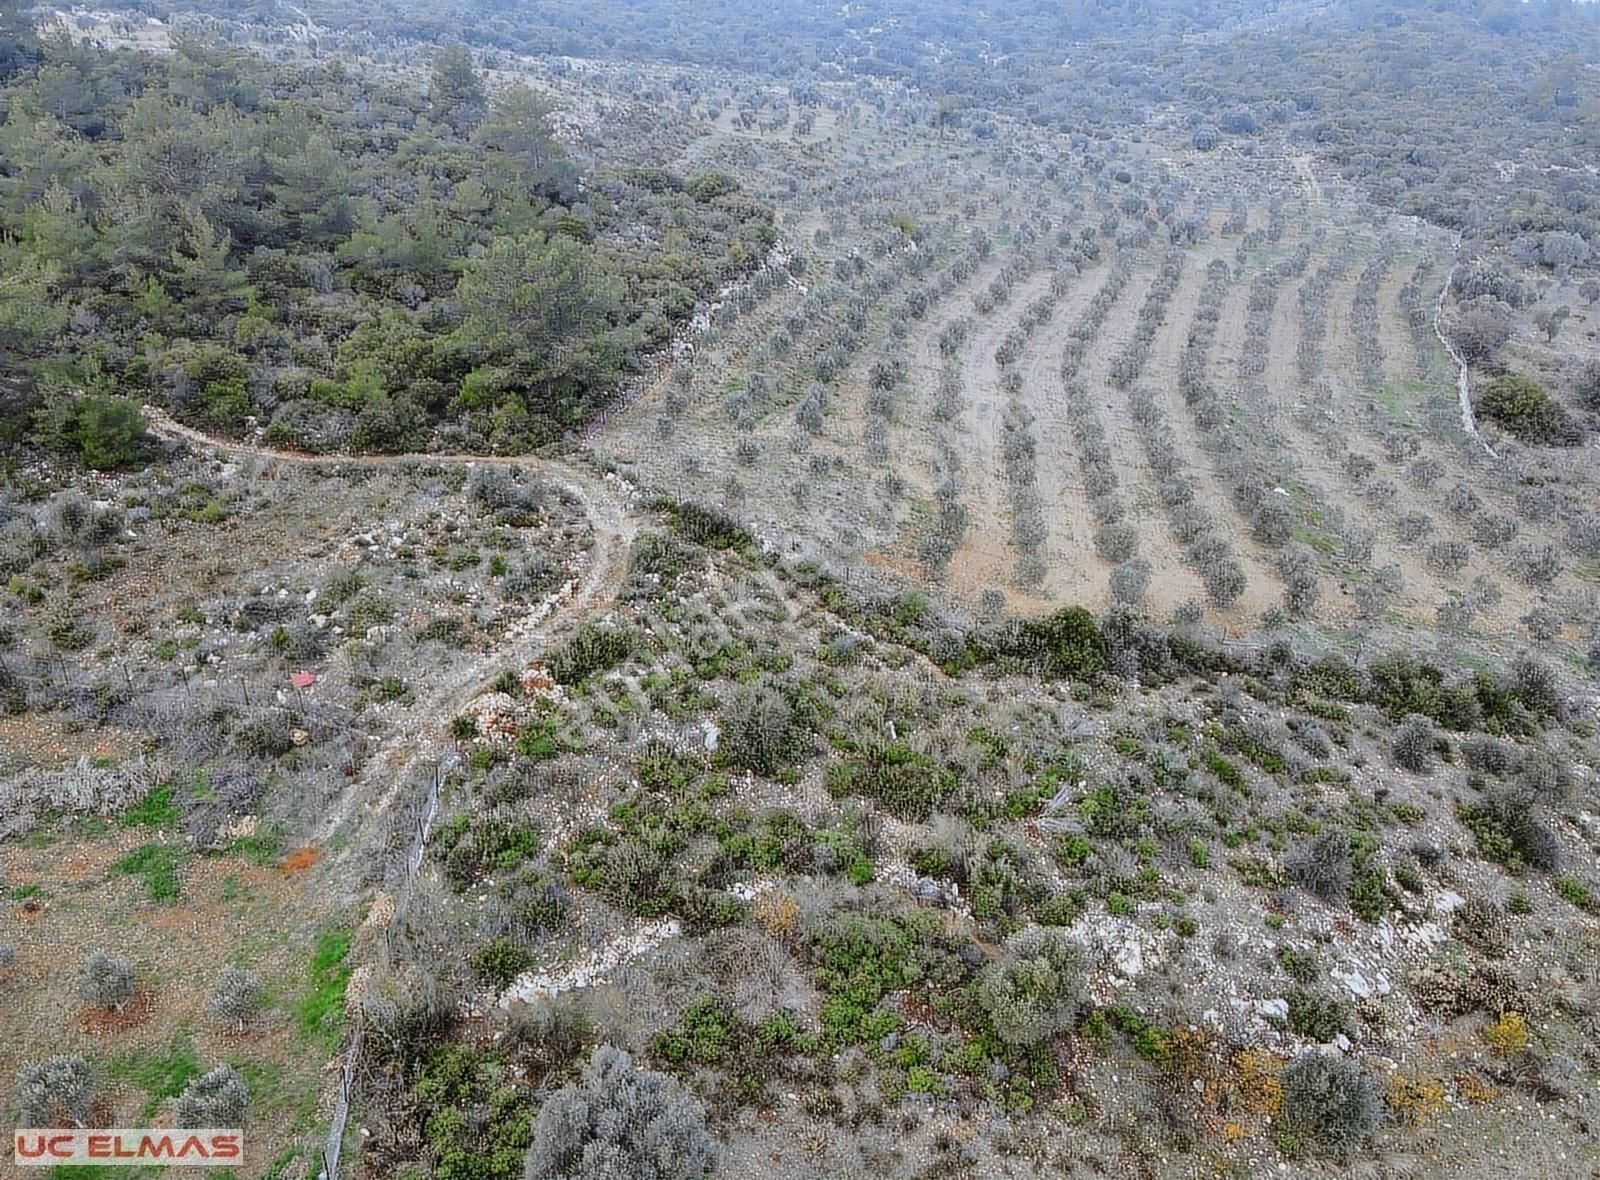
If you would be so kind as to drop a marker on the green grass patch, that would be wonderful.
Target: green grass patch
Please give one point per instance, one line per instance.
(155, 810)
(162, 1072)
(159, 866)
(263, 849)
(319, 1012)
(1574, 891)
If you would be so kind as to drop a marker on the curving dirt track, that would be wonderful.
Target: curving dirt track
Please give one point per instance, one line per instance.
(417, 740)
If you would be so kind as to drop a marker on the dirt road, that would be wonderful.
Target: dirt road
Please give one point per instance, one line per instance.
(418, 739)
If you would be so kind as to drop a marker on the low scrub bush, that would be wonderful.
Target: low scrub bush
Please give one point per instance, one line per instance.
(1329, 1103)
(1509, 832)
(1322, 865)
(591, 650)
(906, 782)
(623, 1121)
(759, 730)
(1032, 992)
(1413, 745)
(475, 847)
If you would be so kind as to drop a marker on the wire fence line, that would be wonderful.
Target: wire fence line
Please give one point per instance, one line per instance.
(416, 853)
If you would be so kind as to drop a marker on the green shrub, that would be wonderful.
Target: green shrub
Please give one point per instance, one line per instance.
(1062, 910)
(1575, 891)
(1401, 685)
(711, 1035)
(1369, 900)
(705, 1035)
(1068, 643)
(1317, 1016)
(859, 959)
(1149, 1039)
(907, 783)
(591, 650)
(634, 872)
(476, 1122)
(708, 527)
(475, 847)
(1114, 811)
(107, 433)
(1522, 407)
(499, 962)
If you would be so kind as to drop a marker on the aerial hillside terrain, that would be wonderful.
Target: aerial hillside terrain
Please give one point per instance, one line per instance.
(642, 591)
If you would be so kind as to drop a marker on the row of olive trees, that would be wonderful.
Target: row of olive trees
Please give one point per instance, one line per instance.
(1116, 541)
(1194, 379)
(1233, 449)
(1313, 306)
(1018, 441)
(1129, 363)
(1257, 475)
(951, 516)
(1448, 555)
(1238, 218)
(1258, 310)
(1417, 311)
(1269, 234)
(1206, 548)
(1019, 460)
(1364, 321)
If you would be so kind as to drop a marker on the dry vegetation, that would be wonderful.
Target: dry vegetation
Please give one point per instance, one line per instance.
(1039, 673)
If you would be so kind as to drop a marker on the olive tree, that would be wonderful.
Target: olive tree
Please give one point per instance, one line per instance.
(106, 981)
(215, 1099)
(1479, 333)
(1561, 251)
(237, 996)
(56, 1092)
